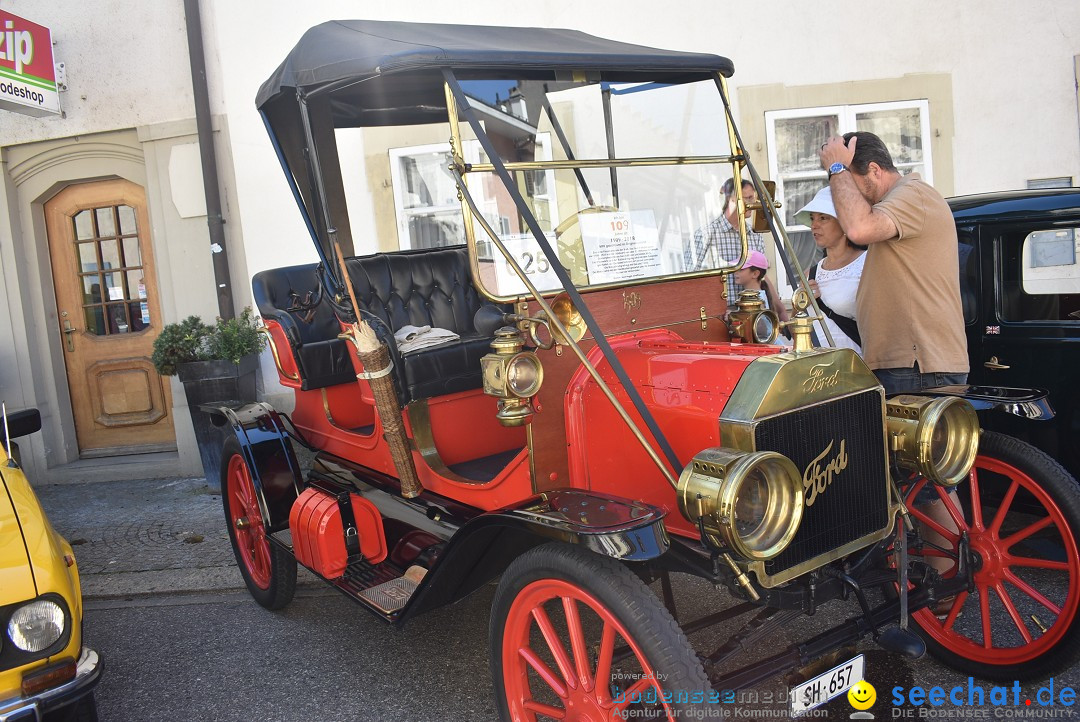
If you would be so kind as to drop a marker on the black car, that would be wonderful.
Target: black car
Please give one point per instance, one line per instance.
(1020, 283)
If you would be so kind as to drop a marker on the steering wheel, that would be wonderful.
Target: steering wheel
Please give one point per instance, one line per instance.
(570, 248)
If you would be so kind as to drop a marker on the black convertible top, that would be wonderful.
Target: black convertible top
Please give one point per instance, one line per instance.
(351, 57)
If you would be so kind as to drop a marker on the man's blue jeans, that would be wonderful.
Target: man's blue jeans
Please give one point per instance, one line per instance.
(896, 381)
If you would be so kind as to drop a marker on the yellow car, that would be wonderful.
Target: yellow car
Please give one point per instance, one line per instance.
(45, 671)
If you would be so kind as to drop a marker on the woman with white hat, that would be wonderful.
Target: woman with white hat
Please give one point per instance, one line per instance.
(835, 279)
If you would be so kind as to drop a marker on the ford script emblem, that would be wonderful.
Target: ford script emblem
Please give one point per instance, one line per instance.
(818, 474)
(818, 379)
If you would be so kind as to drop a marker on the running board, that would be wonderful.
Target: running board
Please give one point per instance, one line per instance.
(380, 587)
(390, 597)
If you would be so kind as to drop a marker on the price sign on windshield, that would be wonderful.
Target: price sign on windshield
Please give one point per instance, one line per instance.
(621, 246)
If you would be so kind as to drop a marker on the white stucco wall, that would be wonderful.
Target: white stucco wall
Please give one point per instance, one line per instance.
(126, 66)
(1014, 98)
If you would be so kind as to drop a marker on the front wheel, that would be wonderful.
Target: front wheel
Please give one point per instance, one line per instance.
(576, 636)
(269, 571)
(1021, 512)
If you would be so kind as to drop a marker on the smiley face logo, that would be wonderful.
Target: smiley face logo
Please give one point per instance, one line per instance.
(862, 695)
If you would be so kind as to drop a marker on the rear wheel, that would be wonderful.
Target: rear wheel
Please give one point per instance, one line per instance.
(1021, 511)
(576, 636)
(269, 571)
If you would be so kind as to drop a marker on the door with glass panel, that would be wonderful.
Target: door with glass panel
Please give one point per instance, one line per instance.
(108, 316)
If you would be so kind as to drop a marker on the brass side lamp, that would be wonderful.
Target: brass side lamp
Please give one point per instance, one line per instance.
(513, 375)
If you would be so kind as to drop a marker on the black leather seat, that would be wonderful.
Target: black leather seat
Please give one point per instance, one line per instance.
(430, 287)
(291, 296)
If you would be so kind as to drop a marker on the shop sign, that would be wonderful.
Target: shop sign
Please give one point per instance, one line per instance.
(27, 73)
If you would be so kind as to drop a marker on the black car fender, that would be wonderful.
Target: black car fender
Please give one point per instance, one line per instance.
(268, 450)
(482, 548)
(1030, 404)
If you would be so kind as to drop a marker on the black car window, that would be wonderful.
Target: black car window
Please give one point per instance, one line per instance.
(969, 273)
(1040, 279)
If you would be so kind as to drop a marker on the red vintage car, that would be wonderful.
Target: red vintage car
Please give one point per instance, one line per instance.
(547, 386)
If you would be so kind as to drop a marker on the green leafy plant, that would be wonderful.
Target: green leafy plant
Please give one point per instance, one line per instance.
(233, 339)
(180, 343)
(192, 340)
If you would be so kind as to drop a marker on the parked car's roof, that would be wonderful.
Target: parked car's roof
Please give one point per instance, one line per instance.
(1015, 205)
(356, 51)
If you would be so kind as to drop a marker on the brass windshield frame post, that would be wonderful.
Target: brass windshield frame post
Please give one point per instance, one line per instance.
(766, 199)
(457, 150)
(736, 177)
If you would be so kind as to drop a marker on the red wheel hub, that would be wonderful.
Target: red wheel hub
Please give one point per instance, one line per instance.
(246, 521)
(996, 571)
(545, 624)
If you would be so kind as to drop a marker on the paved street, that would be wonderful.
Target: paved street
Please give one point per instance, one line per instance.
(183, 640)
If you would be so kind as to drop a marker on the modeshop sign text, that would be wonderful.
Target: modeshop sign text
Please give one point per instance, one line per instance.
(27, 74)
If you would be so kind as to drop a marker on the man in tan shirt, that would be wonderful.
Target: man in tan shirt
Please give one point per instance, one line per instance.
(908, 305)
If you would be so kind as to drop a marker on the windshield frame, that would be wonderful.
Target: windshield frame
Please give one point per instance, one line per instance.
(462, 169)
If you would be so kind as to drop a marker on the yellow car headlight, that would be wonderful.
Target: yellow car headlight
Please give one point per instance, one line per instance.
(750, 502)
(37, 625)
(937, 438)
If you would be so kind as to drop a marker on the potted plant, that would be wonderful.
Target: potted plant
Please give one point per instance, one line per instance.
(217, 365)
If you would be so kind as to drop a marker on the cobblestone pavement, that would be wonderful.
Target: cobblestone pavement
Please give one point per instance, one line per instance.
(143, 537)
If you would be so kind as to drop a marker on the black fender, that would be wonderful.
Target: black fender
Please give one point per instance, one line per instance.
(267, 447)
(483, 547)
(1030, 404)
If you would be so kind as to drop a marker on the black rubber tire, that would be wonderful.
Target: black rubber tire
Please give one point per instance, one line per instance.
(623, 595)
(282, 585)
(1065, 492)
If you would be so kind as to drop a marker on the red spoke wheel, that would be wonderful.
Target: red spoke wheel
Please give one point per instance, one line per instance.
(577, 636)
(1021, 511)
(269, 571)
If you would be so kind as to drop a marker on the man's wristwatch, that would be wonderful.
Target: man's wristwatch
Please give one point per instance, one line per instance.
(836, 168)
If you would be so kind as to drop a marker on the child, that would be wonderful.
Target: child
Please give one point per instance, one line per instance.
(752, 277)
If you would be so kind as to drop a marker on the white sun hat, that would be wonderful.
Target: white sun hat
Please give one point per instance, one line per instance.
(821, 203)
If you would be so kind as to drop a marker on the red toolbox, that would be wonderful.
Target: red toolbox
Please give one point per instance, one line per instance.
(319, 539)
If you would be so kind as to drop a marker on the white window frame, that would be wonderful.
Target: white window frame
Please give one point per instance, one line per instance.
(403, 214)
(471, 151)
(846, 118)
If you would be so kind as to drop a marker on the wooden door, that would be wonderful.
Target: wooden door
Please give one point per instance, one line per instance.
(109, 316)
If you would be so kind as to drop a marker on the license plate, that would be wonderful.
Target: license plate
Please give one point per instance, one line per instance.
(826, 686)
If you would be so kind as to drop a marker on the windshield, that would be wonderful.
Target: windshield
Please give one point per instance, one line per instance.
(659, 216)
(609, 225)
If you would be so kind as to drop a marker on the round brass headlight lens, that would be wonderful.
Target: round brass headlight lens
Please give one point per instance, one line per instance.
(937, 438)
(766, 327)
(750, 502)
(524, 375)
(951, 439)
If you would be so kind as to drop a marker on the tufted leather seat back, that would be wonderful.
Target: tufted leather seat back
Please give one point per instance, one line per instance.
(430, 287)
(287, 295)
(421, 288)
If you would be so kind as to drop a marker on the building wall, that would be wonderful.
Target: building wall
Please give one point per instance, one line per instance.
(784, 52)
(126, 65)
(128, 113)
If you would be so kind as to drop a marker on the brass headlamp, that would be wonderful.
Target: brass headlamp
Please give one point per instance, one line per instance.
(513, 375)
(936, 438)
(748, 501)
(752, 322)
